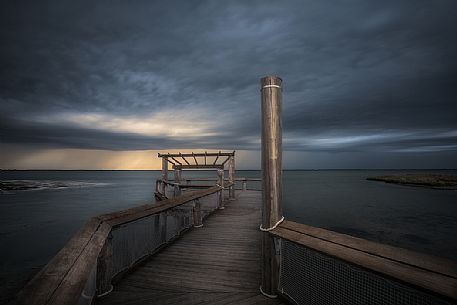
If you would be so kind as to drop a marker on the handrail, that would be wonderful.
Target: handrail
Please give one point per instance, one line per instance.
(433, 274)
(215, 179)
(121, 217)
(187, 183)
(63, 280)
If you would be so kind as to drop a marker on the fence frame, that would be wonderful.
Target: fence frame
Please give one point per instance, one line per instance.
(67, 278)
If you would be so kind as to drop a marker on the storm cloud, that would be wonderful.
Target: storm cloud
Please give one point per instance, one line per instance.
(360, 77)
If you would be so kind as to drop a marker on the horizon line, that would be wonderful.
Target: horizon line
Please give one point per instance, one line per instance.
(285, 169)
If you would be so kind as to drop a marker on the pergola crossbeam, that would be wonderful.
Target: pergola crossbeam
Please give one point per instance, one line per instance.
(217, 157)
(225, 161)
(185, 160)
(176, 160)
(228, 158)
(196, 162)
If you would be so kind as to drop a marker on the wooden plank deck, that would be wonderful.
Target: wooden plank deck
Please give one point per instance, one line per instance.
(216, 264)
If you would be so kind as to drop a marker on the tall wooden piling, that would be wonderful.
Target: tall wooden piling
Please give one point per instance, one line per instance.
(271, 100)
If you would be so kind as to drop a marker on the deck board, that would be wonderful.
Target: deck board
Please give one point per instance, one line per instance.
(216, 264)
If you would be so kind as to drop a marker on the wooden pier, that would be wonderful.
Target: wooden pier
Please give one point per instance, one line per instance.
(218, 263)
(216, 240)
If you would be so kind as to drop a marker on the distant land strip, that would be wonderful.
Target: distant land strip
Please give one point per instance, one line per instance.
(435, 181)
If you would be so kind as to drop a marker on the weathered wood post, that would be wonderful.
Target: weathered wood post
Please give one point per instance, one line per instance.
(197, 214)
(177, 180)
(176, 190)
(105, 268)
(220, 182)
(164, 175)
(232, 177)
(245, 186)
(271, 99)
(177, 174)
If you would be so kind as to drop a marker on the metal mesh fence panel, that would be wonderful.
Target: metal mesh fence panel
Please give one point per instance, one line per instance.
(137, 239)
(312, 278)
(179, 219)
(208, 204)
(133, 240)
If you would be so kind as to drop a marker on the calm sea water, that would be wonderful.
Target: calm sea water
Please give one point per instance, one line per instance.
(34, 225)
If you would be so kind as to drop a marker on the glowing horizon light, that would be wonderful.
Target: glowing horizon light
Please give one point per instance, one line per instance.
(161, 123)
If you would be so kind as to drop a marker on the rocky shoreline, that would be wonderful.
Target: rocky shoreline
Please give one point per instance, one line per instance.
(30, 185)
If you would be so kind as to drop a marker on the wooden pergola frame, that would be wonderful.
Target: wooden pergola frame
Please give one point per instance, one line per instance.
(181, 161)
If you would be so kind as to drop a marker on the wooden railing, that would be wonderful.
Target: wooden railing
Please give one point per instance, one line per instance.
(112, 244)
(346, 270)
(309, 265)
(193, 183)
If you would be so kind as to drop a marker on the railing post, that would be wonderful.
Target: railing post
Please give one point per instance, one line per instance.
(232, 177)
(163, 227)
(220, 182)
(197, 214)
(245, 184)
(164, 174)
(271, 100)
(176, 190)
(105, 268)
(177, 174)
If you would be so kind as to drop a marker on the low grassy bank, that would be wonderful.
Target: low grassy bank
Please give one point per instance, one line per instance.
(424, 180)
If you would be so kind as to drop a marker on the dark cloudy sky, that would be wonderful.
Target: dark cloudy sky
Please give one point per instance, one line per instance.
(367, 84)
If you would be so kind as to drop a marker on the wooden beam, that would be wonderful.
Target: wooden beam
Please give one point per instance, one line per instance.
(196, 186)
(225, 161)
(135, 213)
(200, 166)
(205, 157)
(43, 287)
(215, 160)
(165, 169)
(271, 176)
(72, 286)
(176, 160)
(185, 160)
(208, 154)
(420, 260)
(376, 258)
(196, 162)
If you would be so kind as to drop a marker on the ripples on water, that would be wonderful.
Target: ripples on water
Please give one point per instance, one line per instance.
(14, 186)
(36, 223)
